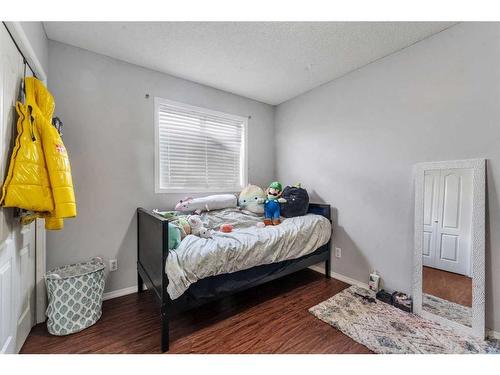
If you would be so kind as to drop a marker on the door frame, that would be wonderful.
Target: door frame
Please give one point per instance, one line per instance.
(22, 40)
(40, 269)
(478, 167)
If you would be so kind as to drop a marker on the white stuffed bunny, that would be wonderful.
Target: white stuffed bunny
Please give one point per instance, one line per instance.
(197, 227)
(205, 233)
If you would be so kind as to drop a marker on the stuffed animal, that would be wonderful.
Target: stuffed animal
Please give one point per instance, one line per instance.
(209, 203)
(184, 226)
(205, 233)
(195, 224)
(272, 204)
(180, 221)
(174, 236)
(226, 228)
(197, 227)
(169, 215)
(297, 201)
(252, 199)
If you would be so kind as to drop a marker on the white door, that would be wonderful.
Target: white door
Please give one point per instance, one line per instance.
(431, 202)
(17, 243)
(448, 220)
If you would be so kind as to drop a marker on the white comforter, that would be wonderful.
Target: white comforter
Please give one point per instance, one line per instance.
(246, 247)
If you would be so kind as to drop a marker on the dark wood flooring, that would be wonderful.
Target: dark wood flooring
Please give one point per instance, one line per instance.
(271, 318)
(447, 285)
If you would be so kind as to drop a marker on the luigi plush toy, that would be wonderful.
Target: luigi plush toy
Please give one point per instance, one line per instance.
(272, 204)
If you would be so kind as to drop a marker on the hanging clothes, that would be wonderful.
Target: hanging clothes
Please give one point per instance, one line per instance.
(39, 177)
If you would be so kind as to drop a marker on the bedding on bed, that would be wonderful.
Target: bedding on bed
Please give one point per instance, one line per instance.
(246, 247)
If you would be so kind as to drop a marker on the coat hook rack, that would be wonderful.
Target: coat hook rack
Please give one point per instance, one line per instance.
(25, 61)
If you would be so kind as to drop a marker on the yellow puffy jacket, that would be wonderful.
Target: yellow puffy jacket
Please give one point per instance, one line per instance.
(39, 176)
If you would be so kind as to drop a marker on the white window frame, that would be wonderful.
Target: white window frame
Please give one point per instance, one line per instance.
(243, 155)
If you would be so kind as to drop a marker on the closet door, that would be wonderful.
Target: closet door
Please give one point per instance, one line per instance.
(431, 203)
(454, 221)
(17, 243)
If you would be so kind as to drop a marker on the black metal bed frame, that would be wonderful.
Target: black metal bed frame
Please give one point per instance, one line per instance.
(152, 253)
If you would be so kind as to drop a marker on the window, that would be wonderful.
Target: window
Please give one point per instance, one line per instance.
(198, 150)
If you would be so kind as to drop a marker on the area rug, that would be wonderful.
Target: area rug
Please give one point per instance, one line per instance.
(446, 309)
(386, 329)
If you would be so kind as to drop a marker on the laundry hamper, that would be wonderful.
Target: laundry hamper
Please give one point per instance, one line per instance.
(74, 296)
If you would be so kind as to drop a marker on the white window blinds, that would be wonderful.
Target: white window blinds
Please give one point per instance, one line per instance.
(198, 149)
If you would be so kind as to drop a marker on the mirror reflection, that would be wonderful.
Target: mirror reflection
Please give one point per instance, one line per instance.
(446, 256)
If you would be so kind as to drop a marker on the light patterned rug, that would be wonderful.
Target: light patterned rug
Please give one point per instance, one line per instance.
(386, 329)
(446, 309)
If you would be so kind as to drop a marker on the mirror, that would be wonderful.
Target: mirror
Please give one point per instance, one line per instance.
(449, 273)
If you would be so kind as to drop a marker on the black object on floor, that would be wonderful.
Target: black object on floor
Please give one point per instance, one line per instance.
(366, 298)
(384, 296)
(402, 301)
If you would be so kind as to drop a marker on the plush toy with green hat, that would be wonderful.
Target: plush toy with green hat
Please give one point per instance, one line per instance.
(272, 203)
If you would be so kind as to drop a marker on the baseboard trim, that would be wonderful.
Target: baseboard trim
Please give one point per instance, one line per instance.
(338, 276)
(119, 293)
(318, 268)
(493, 334)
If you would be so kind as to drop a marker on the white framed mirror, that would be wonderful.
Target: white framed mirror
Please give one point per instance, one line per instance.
(449, 251)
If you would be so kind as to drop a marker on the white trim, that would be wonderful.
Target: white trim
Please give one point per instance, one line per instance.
(478, 240)
(40, 269)
(244, 154)
(317, 267)
(24, 44)
(493, 334)
(340, 277)
(119, 293)
(6, 242)
(457, 327)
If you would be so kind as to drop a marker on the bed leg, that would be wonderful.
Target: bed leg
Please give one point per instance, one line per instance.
(164, 330)
(140, 283)
(328, 265)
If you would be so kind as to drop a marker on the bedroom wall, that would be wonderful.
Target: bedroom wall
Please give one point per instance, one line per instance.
(108, 131)
(39, 42)
(353, 143)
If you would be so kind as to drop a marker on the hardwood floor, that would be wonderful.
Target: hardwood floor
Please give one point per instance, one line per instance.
(271, 318)
(447, 285)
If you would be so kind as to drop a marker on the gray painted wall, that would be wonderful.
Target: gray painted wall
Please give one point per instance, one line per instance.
(108, 131)
(353, 143)
(39, 42)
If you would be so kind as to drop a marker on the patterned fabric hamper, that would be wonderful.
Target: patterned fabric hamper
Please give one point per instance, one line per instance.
(75, 296)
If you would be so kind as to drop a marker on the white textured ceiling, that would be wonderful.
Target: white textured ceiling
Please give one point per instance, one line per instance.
(267, 61)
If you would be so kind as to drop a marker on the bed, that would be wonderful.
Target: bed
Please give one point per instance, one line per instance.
(202, 270)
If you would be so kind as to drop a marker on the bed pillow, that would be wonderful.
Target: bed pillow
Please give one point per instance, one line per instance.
(209, 203)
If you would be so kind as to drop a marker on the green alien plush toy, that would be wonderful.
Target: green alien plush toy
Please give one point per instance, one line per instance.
(252, 199)
(174, 236)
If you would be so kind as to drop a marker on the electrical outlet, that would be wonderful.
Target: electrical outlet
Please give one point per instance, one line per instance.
(113, 265)
(338, 252)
